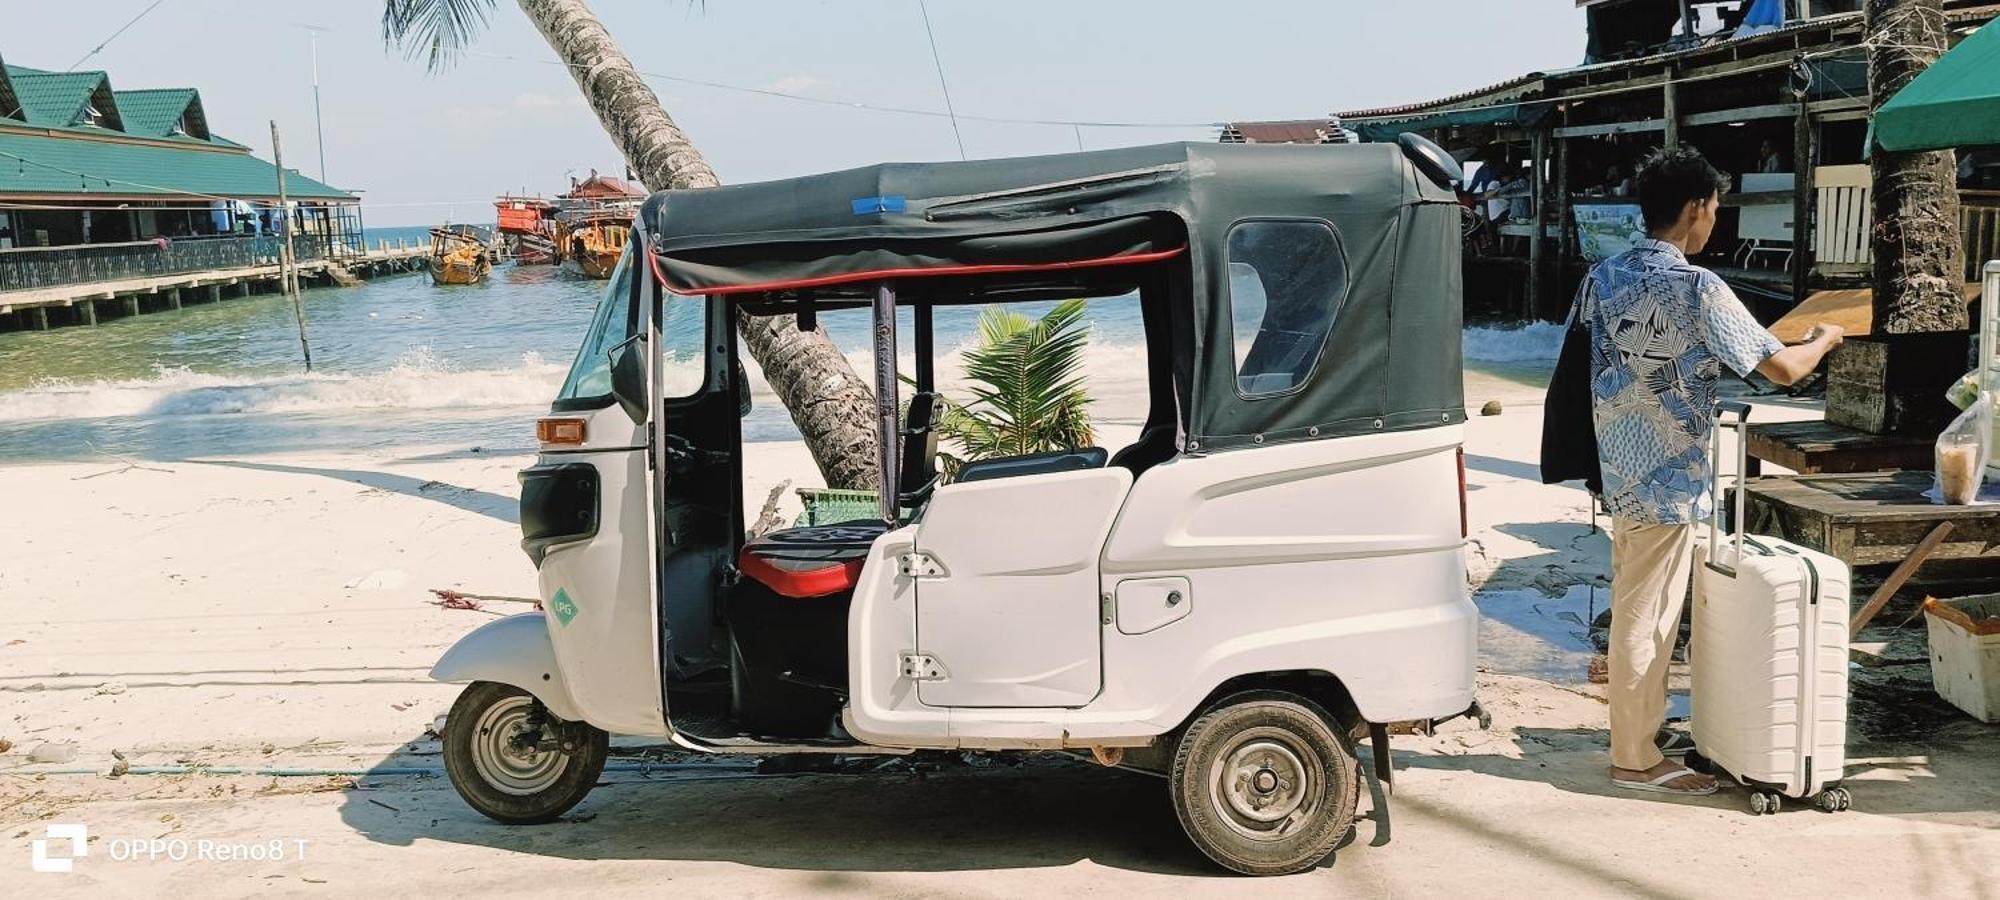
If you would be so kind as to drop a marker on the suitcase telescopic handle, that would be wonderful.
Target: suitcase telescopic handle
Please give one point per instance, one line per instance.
(1740, 424)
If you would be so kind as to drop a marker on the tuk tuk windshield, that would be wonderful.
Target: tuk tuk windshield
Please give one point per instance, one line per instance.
(588, 384)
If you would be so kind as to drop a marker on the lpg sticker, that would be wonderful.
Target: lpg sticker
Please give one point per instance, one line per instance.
(563, 607)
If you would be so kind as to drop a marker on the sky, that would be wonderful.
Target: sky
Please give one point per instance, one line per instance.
(422, 148)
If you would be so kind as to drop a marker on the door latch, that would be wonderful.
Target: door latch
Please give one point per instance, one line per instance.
(920, 667)
(918, 564)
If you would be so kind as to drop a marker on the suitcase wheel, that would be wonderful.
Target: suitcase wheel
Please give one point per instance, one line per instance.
(1764, 803)
(1834, 799)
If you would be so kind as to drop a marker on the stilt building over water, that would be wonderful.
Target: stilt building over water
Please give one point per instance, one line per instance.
(115, 202)
(1774, 92)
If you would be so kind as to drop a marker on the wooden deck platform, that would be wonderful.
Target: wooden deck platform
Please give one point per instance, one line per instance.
(1869, 519)
(37, 309)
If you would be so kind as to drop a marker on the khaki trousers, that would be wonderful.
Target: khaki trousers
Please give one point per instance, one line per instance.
(1650, 568)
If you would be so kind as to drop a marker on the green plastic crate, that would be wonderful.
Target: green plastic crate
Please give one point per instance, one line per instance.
(825, 506)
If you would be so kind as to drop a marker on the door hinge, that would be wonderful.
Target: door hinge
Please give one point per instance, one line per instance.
(920, 667)
(1104, 608)
(918, 564)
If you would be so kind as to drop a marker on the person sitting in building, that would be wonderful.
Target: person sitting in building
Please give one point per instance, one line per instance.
(1768, 160)
(1482, 183)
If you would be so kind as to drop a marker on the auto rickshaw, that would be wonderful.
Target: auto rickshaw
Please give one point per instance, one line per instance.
(1271, 571)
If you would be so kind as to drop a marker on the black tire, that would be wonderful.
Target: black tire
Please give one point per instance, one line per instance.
(1301, 818)
(515, 788)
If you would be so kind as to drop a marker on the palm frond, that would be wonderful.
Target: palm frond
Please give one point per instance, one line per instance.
(434, 29)
(1027, 386)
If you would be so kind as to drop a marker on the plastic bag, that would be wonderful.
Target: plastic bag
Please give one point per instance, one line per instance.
(1963, 391)
(1962, 452)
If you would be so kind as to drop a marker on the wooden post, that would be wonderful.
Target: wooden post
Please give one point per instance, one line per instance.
(1803, 191)
(287, 261)
(38, 318)
(173, 298)
(215, 293)
(1562, 212)
(86, 312)
(131, 305)
(1670, 103)
(1538, 148)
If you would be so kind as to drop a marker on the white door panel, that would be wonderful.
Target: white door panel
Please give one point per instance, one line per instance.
(1013, 619)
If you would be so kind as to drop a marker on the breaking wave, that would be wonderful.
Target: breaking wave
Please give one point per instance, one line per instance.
(1533, 342)
(419, 380)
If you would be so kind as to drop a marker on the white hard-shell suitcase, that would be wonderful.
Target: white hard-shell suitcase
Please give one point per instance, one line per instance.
(1769, 658)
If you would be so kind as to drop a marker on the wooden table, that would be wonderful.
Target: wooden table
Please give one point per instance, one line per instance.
(1869, 519)
(1816, 448)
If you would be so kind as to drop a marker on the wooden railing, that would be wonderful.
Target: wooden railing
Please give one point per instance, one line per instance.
(35, 267)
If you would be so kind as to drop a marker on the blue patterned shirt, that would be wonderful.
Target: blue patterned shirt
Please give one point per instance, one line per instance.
(1660, 328)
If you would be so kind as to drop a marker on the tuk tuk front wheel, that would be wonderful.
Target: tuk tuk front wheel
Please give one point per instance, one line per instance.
(504, 754)
(1264, 783)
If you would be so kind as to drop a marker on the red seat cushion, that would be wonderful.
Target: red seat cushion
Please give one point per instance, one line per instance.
(811, 561)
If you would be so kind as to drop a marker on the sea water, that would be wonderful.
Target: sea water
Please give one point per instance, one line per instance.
(400, 362)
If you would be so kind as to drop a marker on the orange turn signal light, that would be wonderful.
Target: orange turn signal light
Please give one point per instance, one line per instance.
(560, 431)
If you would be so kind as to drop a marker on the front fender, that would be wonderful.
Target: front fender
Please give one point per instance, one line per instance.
(515, 650)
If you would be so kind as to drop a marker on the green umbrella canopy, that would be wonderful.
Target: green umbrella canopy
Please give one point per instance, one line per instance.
(1954, 103)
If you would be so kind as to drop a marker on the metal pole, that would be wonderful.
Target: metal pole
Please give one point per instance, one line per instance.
(886, 407)
(318, 125)
(288, 267)
(926, 366)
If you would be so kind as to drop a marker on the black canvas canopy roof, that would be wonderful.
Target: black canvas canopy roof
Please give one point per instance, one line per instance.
(1103, 222)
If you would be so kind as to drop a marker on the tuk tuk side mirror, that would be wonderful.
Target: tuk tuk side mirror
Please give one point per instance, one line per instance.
(1432, 160)
(628, 376)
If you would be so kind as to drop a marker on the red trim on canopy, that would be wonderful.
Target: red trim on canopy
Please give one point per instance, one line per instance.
(1129, 259)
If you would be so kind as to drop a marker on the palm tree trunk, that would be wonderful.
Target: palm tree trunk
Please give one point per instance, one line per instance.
(832, 407)
(1918, 271)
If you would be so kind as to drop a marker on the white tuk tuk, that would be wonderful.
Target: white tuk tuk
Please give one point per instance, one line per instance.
(1273, 570)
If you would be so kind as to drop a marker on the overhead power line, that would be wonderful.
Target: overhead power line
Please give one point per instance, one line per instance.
(871, 107)
(114, 36)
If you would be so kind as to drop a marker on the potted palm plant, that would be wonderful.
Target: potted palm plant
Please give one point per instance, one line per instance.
(1025, 380)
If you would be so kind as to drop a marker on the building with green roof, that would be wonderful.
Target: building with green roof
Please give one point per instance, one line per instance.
(84, 164)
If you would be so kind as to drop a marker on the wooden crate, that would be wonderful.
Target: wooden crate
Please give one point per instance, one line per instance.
(1815, 448)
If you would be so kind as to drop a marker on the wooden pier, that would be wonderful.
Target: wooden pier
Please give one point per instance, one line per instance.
(41, 308)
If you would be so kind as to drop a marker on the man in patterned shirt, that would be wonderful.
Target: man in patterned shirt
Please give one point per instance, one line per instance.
(1661, 328)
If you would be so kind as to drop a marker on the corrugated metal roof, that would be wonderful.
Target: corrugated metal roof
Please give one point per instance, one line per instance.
(1510, 89)
(1292, 131)
(1523, 86)
(56, 162)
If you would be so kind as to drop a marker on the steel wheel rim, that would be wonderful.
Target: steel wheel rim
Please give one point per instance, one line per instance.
(518, 772)
(1265, 783)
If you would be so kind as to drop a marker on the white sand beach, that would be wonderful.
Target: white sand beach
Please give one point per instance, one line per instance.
(274, 611)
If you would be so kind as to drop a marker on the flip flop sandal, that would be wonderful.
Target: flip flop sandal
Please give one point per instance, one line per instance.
(1659, 785)
(1674, 743)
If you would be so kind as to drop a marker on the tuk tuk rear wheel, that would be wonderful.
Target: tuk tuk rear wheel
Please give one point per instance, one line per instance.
(492, 756)
(1264, 783)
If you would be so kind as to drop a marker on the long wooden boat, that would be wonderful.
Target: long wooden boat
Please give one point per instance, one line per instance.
(528, 226)
(459, 255)
(593, 243)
